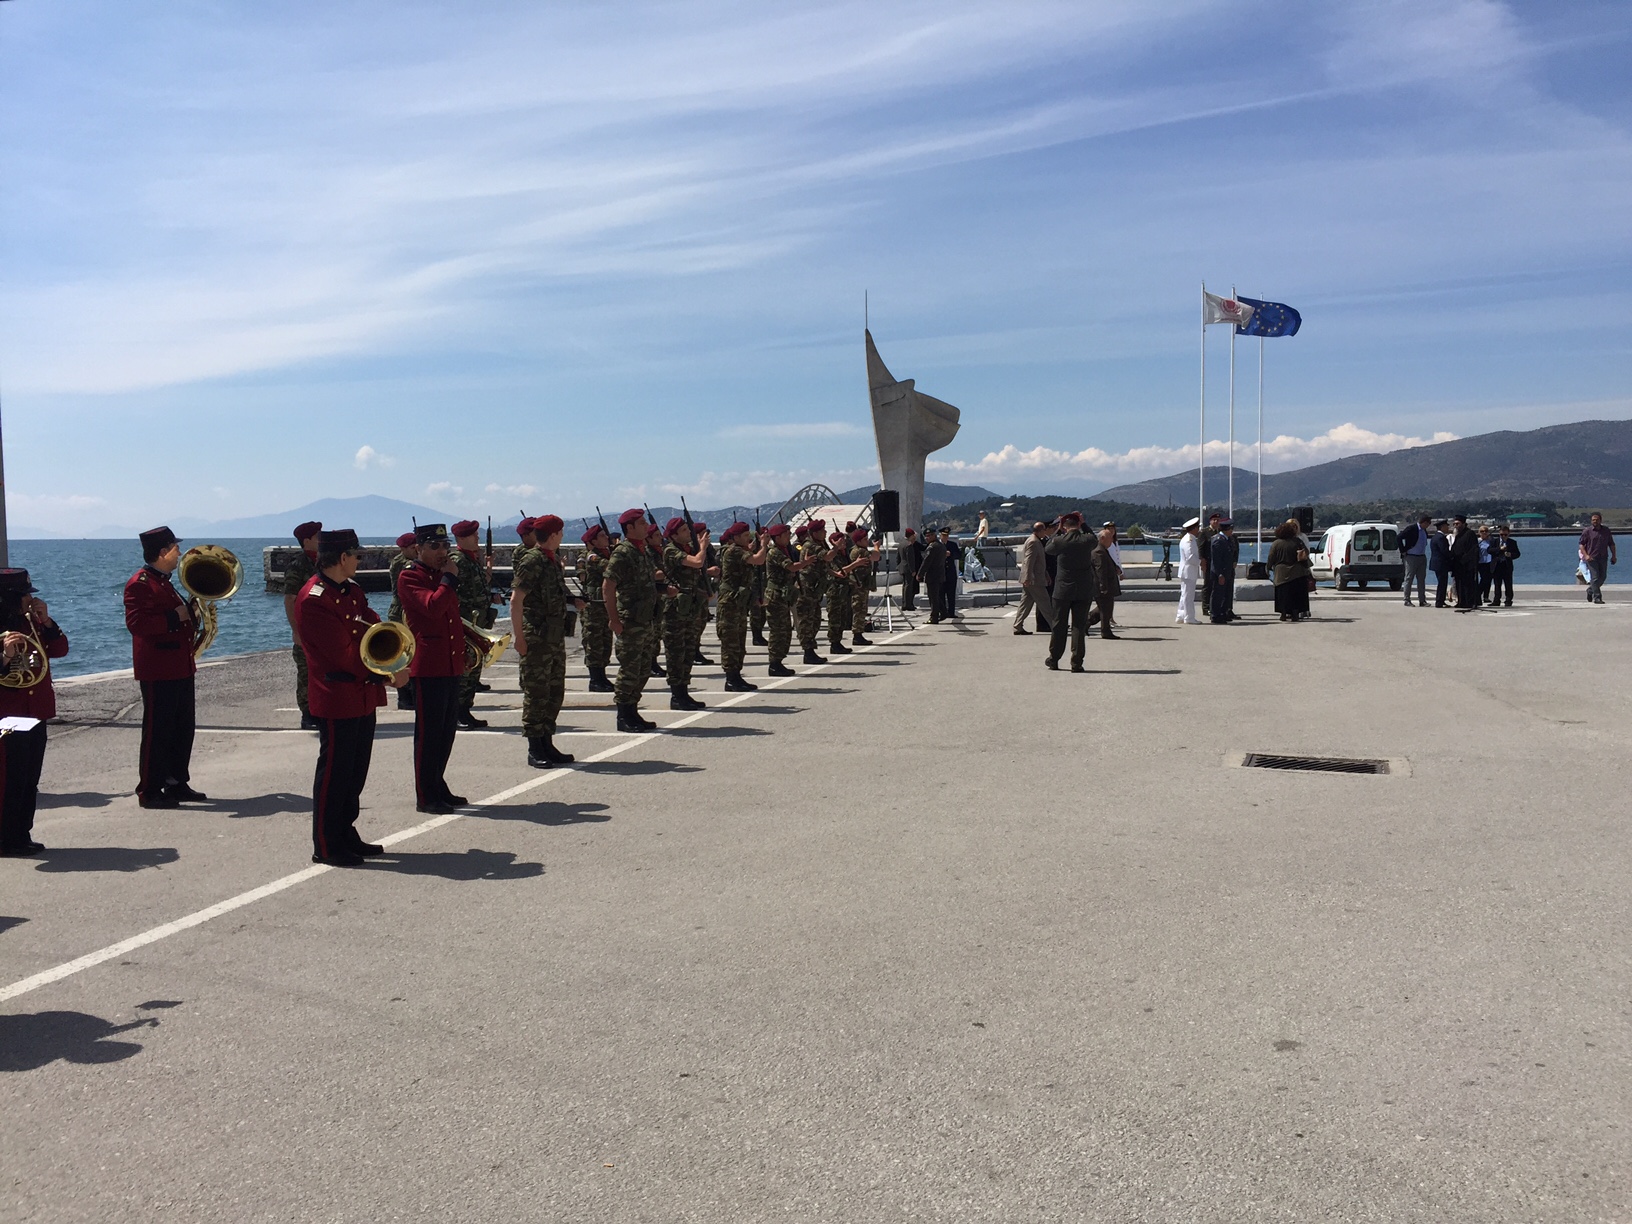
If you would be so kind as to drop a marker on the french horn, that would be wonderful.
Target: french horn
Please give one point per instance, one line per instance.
(30, 667)
(387, 647)
(208, 573)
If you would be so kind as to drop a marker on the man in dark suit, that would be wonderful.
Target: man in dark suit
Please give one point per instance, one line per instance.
(932, 573)
(1223, 554)
(1074, 588)
(1107, 583)
(949, 582)
(1439, 559)
(1465, 564)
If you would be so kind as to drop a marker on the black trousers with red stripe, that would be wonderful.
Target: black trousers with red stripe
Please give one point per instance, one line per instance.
(167, 735)
(22, 755)
(436, 722)
(344, 749)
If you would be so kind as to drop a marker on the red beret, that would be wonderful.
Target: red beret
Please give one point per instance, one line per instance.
(802, 530)
(850, 526)
(464, 527)
(818, 522)
(860, 537)
(776, 529)
(631, 516)
(910, 531)
(307, 530)
(733, 531)
(546, 525)
(589, 536)
(406, 539)
(524, 527)
(835, 537)
(672, 526)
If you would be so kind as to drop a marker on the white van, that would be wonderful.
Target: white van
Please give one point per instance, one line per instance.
(1359, 553)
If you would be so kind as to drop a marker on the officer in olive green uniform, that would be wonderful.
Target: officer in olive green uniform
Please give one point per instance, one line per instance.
(738, 565)
(538, 618)
(683, 564)
(630, 592)
(597, 637)
(295, 576)
(407, 554)
(861, 557)
(475, 606)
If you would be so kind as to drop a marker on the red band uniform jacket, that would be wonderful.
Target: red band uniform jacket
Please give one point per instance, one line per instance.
(430, 604)
(333, 616)
(161, 642)
(40, 701)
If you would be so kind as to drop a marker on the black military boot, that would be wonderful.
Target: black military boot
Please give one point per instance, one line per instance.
(681, 699)
(779, 669)
(838, 648)
(812, 658)
(759, 639)
(543, 754)
(700, 657)
(657, 669)
(734, 683)
(469, 721)
(629, 719)
(858, 640)
(598, 683)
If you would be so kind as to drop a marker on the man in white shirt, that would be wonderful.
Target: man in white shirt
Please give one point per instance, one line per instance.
(1189, 572)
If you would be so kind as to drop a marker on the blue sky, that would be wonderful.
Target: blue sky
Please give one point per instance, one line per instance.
(492, 255)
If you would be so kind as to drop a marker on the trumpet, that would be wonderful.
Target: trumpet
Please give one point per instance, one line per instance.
(483, 647)
(31, 666)
(387, 648)
(208, 573)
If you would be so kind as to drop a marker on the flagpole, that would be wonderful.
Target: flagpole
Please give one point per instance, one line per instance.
(1201, 455)
(1231, 468)
(1260, 552)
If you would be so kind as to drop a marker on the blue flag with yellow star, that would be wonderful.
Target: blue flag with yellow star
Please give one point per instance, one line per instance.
(1269, 319)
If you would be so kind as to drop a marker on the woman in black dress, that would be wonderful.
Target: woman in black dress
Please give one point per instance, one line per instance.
(1289, 568)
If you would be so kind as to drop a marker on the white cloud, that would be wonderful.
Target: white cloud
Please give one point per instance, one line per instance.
(515, 490)
(445, 488)
(1281, 454)
(18, 503)
(367, 457)
(793, 429)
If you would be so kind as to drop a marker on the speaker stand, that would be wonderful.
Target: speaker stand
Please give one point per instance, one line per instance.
(891, 608)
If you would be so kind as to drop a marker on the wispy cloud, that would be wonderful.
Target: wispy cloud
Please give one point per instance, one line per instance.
(445, 489)
(367, 457)
(515, 490)
(782, 430)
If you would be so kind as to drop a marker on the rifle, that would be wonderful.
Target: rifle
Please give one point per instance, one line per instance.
(604, 527)
(686, 510)
(662, 582)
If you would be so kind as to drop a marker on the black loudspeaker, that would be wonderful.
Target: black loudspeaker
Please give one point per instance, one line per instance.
(1306, 519)
(886, 510)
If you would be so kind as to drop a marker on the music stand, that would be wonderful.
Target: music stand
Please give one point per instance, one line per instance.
(890, 606)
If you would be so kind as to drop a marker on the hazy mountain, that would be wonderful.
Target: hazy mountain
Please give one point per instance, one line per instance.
(1587, 463)
(368, 516)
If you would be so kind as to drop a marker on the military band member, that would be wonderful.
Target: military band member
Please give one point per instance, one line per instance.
(739, 561)
(538, 621)
(22, 753)
(295, 576)
(912, 554)
(332, 614)
(840, 600)
(407, 551)
(862, 558)
(162, 633)
(597, 636)
(430, 602)
(684, 563)
(629, 591)
(475, 605)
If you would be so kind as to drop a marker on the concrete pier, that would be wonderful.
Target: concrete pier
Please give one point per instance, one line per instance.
(926, 933)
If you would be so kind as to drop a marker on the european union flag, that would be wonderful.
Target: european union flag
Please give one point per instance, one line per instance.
(1269, 319)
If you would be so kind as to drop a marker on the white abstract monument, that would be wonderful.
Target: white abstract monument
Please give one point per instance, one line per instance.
(907, 425)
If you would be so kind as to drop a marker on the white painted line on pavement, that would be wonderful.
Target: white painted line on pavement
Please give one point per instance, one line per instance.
(199, 917)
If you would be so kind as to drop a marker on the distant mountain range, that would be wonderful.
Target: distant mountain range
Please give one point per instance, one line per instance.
(1588, 463)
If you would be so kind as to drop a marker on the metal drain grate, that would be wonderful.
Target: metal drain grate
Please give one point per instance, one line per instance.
(1264, 760)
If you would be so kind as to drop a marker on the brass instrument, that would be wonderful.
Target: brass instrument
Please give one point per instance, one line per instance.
(483, 647)
(387, 648)
(30, 667)
(208, 573)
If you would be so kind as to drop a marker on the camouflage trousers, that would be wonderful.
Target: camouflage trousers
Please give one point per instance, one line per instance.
(680, 642)
(637, 651)
(858, 609)
(467, 689)
(839, 605)
(731, 624)
(597, 635)
(543, 685)
(756, 618)
(807, 619)
(300, 682)
(778, 629)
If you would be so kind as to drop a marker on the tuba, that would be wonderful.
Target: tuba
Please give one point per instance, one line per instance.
(483, 647)
(208, 573)
(30, 667)
(387, 647)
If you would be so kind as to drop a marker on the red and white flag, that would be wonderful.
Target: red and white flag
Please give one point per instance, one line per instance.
(1215, 309)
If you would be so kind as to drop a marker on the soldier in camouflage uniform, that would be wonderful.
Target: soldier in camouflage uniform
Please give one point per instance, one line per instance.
(781, 572)
(525, 530)
(839, 599)
(538, 618)
(807, 608)
(407, 554)
(295, 576)
(711, 577)
(597, 637)
(475, 606)
(862, 558)
(756, 602)
(683, 565)
(630, 593)
(738, 565)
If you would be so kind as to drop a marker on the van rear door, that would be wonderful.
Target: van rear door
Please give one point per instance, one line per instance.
(1366, 548)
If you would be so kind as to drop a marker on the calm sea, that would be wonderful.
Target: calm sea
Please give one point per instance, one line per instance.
(83, 581)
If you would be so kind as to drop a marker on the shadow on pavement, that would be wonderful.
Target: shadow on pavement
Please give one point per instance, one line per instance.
(801, 691)
(777, 709)
(636, 768)
(77, 799)
(107, 858)
(275, 804)
(717, 732)
(471, 865)
(7, 923)
(1132, 671)
(550, 813)
(840, 675)
(29, 1042)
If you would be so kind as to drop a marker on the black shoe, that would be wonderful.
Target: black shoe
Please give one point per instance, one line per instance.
(1076, 667)
(1022, 633)
(598, 683)
(1109, 637)
(681, 699)
(777, 669)
(934, 620)
(543, 754)
(734, 683)
(470, 721)
(482, 686)
(434, 808)
(657, 670)
(858, 640)
(182, 793)
(838, 648)
(453, 800)
(1052, 664)
(700, 657)
(759, 639)
(554, 755)
(160, 800)
(629, 719)
(308, 723)
(368, 849)
(341, 858)
(404, 701)
(812, 659)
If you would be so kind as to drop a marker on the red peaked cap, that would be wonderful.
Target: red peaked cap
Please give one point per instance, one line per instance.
(546, 525)
(307, 530)
(406, 540)
(631, 516)
(672, 526)
(733, 531)
(464, 527)
(524, 527)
